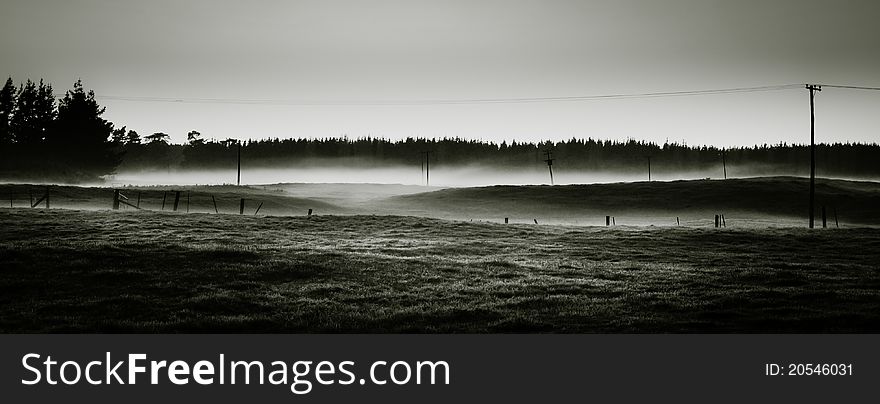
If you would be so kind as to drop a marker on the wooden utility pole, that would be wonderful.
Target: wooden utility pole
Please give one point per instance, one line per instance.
(813, 88)
(426, 166)
(549, 160)
(724, 162)
(238, 181)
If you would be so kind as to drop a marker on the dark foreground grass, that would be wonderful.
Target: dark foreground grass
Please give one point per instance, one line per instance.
(79, 271)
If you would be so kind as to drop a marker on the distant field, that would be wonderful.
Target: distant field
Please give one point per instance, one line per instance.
(748, 202)
(761, 201)
(135, 271)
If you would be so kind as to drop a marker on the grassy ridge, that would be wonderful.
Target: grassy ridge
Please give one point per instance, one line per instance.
(856, 202)
(160, 272)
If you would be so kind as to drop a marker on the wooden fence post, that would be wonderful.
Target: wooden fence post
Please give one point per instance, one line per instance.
(215, 204)
(717, 221)
(241, 207)
(176, 199)
(258, 209)
(607, 221)
(164, 196)
(139, 200)
(506, 220)
(115, 199)
(310, 212)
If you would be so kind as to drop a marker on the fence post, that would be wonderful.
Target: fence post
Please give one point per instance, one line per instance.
(139, 200)
(717, 221)
(836, 223)
(677, 221)
(506, 220)
(723, 222)
(164, 196)
(310, 212)
(176, 199)
(215, 204)
(607, 221)
(115, 199)
(258, 209)
(241, 207)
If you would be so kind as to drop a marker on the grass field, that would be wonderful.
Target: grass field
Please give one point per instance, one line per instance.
(138, 271)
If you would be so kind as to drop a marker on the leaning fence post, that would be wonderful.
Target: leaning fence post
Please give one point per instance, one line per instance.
(677, 221)
(215, 204)
(139, 200)
(613, 221)
(164, 196)
(176, 199)
(836, 223)
(723, 222)
(241, 207)
(258, 208)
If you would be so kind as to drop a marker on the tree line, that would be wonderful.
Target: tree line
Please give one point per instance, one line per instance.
(837, 159)
(66, 139)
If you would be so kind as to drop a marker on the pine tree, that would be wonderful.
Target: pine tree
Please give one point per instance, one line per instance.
(7, 105)
(132, 138)
(44, 110)
(24, 124)
(81, 137)
(118, 136)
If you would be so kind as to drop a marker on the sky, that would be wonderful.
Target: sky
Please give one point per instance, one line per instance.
(359, 52)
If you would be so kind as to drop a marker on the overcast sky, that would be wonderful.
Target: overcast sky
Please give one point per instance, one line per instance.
(415, 50)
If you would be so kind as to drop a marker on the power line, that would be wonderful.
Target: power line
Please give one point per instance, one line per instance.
(453, 101)
(850, 87)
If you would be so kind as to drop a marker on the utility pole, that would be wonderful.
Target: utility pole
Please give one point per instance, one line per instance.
(549, 161)
(813, 88)
(238, 181)
(427, 166)
(724, 162)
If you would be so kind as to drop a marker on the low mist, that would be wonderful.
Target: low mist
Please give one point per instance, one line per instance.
(466, 176)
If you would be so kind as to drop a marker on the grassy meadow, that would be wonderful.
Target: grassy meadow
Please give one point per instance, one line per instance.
(69, 270)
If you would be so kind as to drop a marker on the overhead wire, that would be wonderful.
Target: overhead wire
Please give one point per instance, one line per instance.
(376, 102)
